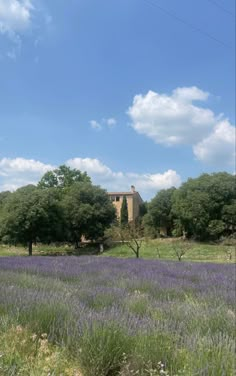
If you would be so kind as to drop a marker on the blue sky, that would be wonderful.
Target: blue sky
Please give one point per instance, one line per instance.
(133, 91)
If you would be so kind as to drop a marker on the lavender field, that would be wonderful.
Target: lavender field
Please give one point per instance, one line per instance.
(125, 316)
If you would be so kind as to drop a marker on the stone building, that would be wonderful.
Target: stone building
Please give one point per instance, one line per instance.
(134, 201)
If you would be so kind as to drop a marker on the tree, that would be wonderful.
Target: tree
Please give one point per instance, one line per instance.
(215, 228)
(124, 217)
(229, 217)
(202, 207)
(180, 249)
(159, 216)
(3, 196)
(63, 177)
(191, 208)
(88, 212)
(131, 235)
(31, 215)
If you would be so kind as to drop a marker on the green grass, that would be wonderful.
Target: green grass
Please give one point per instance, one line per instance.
(23, 352)
(47, 250)
(151, 249)
(163, 249)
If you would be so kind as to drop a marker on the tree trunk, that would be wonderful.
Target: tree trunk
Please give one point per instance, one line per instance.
(30, 247)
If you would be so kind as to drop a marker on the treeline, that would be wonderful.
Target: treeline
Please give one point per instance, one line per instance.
(203, 209)
(63, 207)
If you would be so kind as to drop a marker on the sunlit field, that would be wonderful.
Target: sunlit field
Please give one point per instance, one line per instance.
(157, 249)
(104, 316)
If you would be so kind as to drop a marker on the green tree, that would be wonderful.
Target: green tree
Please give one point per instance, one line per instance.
(215, 228)
(124, 217)
(200, 206)
(229, 217)
(63, 177)
(3, 196)
(88, 211)
(31, 215)
(159, 216)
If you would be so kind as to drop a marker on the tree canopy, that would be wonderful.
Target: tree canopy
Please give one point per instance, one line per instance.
(63, 177)
(88, 211)
(159, 214)
(205, 207)
(31, 215)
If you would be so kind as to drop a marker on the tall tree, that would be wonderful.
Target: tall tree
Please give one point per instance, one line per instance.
(202, 207)
(159, 216)
(124, 215)
(31, 215)
(88, 211)
(63, 177)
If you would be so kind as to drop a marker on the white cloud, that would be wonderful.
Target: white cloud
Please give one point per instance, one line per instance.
(172, 119)
(95, 125)
(17, 17)
(146, 184)
(17, 172)
(219, 147)
(91, 165)
(99, 125)
(111, 122)
(189, 94)
(175, 120)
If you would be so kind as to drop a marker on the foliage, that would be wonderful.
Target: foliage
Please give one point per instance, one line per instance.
(30, 215)
(63, 177)
(159, 214)
(88, 211)
(204, 207)
(3, 196)
(124, 217)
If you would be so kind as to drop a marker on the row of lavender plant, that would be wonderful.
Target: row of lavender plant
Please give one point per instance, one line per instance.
(125, 316)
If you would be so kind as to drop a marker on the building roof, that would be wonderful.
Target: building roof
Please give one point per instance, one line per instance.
(122, 193)
(130, 193)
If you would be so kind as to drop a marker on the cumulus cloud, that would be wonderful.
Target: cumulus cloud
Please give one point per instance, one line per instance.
(147, 184)
(18, 172)
(91, 165)
(219, 147)
(177, 120)
(172, 119)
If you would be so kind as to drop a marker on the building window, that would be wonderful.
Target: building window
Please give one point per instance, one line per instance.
(112, 198)
(117, 198)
